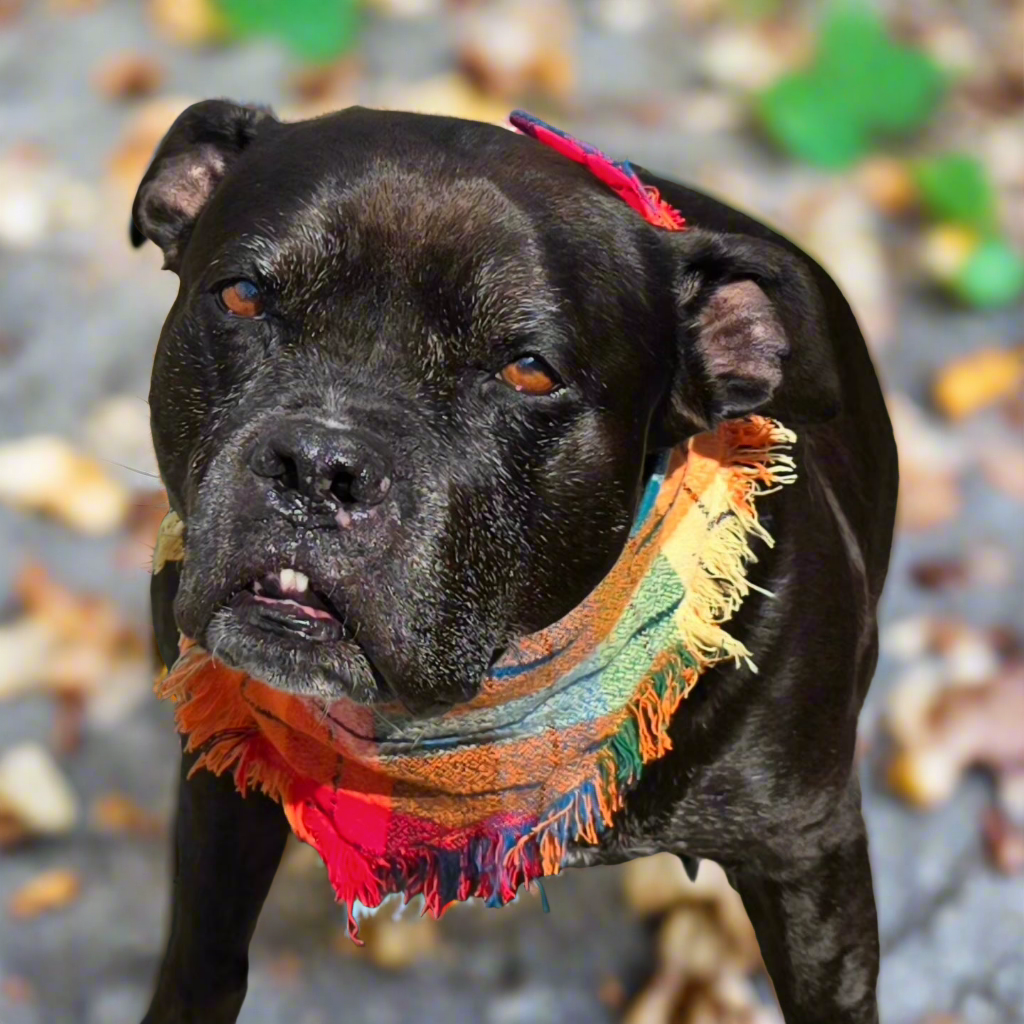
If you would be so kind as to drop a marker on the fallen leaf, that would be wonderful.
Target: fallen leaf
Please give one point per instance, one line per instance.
(653, 884)
(396, 943)
(75, 6)
(39, 197)
(992, 276)
(1004, 841)
(945, 249)
(45, 474)
(192, 22)
(9, 10)
(838, 225)
(1003, 466)
(405, 8)
(448, 94)
(985, 565)
(751, 57)
(930, 457)
(887, 184)
(861, 85)
(1010, 794)
(52, 890)
(128, 76)
(938, 575)
(511, 47)
(35, 797)
(285, 969)
(148, 509)
(72, 647)
(143, 133)
(17, 990)
(69, 721)
(962, 727)
(624, 17)
(612, 993)
(314, 30)
(955, 189)
(979, 380)
(320, 82)
(117, 812)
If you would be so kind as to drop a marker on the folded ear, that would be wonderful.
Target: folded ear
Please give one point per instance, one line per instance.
(189, 164)
(750, 333)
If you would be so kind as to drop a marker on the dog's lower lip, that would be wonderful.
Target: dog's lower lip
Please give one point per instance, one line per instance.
(287, 617)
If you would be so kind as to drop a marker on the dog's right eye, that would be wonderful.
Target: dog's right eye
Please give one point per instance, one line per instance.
(242, 298)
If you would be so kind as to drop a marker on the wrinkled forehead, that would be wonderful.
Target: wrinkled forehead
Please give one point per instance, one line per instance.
(389, 231)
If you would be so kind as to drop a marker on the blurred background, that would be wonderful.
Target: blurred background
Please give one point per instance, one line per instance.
(887, 139)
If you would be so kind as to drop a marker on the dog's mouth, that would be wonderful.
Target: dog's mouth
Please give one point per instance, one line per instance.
(288, 604)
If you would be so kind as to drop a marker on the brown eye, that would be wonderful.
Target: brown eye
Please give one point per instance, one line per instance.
(242, 298)
(530, 376)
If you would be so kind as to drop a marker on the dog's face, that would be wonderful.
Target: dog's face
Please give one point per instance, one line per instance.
(406, 395)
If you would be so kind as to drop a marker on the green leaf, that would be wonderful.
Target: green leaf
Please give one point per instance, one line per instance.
(993, 276)
(812, 123)
(861, 84)
(905, 92)
(315, 30)
(892, 88)
(955, 188)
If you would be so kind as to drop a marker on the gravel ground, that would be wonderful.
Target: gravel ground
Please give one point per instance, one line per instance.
(89, 310)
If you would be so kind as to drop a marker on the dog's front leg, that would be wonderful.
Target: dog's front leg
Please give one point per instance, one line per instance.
(226, 851)
(817, 927)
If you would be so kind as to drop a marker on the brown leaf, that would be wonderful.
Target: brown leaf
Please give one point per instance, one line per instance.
(9, 10)
(13, 831)
(512, 47)
(888, 185)
(961, 727)
(939, 575)
(1004, 841)
(148, 508)
(117, 812)
(930, 457)
(1003, 466)
(17, 990)
(322, 81)
(128, 76)
(45, 474)
(52, 890)
(612, 993)
(147, 127)
(69, 722)
(285, 969)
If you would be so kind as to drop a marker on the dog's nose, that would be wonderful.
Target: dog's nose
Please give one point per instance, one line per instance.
(318, 460)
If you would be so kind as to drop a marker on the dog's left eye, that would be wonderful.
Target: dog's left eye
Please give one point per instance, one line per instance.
(243, 298)
(530, 375)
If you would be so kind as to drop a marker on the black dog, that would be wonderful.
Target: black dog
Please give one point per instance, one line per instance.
(328, 393)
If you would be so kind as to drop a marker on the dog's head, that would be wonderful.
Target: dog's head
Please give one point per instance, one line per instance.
(415, 370)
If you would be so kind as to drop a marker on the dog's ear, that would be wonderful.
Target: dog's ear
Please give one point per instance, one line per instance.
(188, 165)
(750, 336)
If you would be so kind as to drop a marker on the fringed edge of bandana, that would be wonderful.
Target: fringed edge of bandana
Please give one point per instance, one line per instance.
(494, 862)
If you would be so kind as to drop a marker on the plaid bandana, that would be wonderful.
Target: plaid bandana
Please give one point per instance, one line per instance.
(488, 796)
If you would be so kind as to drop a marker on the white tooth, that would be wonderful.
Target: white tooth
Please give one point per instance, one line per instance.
(287, 579)
(257, 588)
(301, 581)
